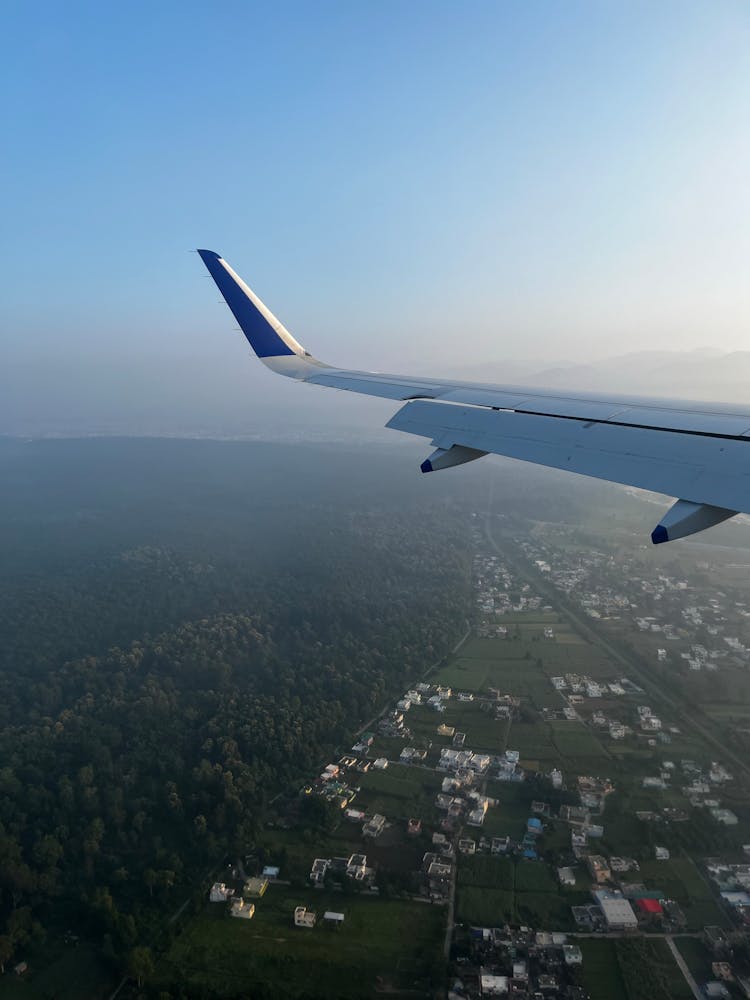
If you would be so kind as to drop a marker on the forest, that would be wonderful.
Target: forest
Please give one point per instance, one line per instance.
(187, 629)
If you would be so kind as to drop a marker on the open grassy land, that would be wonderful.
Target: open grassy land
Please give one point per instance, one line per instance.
(697, 958)
(60, 971)
(663, 959)
(601, 970)
(400, 792)
(395, 944)
(494, 890)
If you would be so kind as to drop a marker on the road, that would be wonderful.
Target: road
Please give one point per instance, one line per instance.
(684, 969)
(433, 666)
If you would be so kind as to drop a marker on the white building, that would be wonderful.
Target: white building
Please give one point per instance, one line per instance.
(304, 917)
(242, 910)
(617, 912)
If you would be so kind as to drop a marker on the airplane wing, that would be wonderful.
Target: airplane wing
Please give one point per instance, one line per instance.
(696, 452)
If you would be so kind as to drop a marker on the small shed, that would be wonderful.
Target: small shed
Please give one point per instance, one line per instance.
(333, 919)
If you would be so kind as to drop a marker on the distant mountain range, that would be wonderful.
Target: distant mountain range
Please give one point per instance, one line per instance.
(703, 374)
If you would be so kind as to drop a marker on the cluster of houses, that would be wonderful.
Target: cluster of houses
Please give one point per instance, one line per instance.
(498, 593)
(242, 899)
(522, 963)
(337, 870)
(708, 625)
(699, 786)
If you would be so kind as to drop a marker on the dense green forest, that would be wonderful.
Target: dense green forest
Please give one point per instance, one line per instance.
(189, 628)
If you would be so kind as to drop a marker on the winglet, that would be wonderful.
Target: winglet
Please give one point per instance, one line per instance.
(268, 337)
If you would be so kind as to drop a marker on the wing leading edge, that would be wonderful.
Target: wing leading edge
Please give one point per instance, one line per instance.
(698, 452)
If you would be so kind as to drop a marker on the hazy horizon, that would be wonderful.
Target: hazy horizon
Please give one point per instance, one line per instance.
(410, 188)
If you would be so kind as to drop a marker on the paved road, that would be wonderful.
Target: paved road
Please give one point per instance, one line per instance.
(684, 969)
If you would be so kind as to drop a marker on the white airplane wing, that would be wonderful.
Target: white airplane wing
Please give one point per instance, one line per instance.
(696, 452)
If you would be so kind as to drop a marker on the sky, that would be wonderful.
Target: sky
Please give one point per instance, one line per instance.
(409, 186)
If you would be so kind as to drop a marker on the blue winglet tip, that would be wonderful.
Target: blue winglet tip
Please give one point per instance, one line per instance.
(426, 466)
(209, 253)
(659, 534)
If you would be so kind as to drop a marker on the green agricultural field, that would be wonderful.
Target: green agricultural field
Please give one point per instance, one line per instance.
(574, 739)
(601, 970)
(697, 957)
(533, 876)
(544, 910)
(534, 617)
(400, 780)
(491, 872)
(466, 674)
(395, 944)
(663, 960)
(484, 907)
(533, 740)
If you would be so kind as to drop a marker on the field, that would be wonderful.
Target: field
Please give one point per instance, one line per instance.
(601, 970)
(494, 890)
(697, 957)
(67, 973)
(395, 940)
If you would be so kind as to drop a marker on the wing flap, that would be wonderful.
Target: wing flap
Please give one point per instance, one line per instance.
(681, 465)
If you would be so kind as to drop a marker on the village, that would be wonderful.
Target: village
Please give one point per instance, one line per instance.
(545, 805)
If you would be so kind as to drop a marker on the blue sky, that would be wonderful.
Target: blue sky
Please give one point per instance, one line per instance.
(397, 180)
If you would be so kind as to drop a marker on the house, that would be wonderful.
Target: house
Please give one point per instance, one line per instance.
(556, 778)
(241, 909)
(319, 868)
(21, 968)
(374, 827)
(598, 868)
(459, 739)
(219, 893)
(356, 866)
(572, 954)
(439, 870)
(520, 970)
(444, 730)
(255, 887)
(493, 986)
(467, 846)
(355, 815)
(333, 918)
(476, 816)
(725, 816)
(534, 826)
(271, 872)
(414, 827)
(304, 917)
(479, 761)
(567, 876)
(380, 764)
(661, 853)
